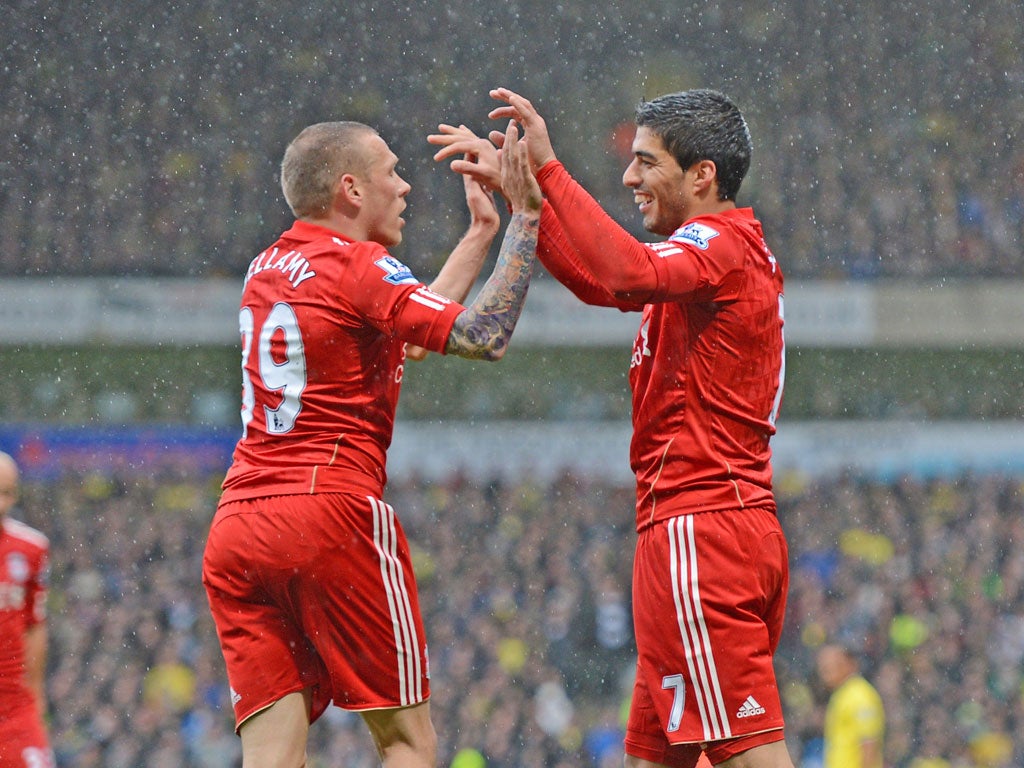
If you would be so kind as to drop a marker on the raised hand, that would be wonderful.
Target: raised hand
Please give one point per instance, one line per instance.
(475, 157)
(522, 111)
(480, 202)
(517, 179)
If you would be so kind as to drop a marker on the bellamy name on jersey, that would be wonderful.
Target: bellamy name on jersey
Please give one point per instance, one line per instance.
(324, 322)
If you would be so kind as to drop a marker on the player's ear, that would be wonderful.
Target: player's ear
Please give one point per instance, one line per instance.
(348, 193)
(706, 173)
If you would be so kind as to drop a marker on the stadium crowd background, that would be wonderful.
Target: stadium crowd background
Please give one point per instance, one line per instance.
(888, 135)
(144, 143)
(525, 597)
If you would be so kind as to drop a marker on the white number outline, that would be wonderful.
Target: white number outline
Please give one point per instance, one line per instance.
(777, 402)
(287, 377)
(675, 717)
(246, 325)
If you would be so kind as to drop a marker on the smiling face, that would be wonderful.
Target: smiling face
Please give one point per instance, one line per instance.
(661, 189)
(382, 193)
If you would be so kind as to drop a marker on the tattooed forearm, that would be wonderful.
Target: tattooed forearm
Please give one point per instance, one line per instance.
(484, 329)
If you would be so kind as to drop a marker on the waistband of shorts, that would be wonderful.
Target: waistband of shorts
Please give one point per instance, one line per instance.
(314, 480)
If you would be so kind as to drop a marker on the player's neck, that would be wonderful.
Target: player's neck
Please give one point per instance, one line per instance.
(342, 225)
(712, 207)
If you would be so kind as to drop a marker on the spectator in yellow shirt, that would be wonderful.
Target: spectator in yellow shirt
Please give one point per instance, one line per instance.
(855, 717)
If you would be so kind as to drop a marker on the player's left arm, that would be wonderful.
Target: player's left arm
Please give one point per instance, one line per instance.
(484, 329)
(36, 641)
(462, 267)
(871, 724)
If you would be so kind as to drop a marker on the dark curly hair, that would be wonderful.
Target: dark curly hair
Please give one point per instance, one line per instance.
(702, 124)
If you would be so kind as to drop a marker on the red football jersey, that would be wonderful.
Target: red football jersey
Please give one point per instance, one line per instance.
(324, 322)
(708, 362)
(24, 562)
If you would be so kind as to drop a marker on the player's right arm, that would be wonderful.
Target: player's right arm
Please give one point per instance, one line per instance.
(628, 269)
(36, 637)
(561, 258)
(479, 159)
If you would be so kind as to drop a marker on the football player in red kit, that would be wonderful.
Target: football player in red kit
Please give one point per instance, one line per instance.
(24, 563)
(307, 569)
(710, 571)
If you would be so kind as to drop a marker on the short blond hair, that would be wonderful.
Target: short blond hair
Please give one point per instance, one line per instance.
(316, 159)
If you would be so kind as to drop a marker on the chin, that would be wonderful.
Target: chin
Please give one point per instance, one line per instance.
(652, 227)
(388, 237)
(657, 228)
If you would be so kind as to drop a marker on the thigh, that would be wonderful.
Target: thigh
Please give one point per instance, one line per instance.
(267, 652)
(277, 735)
(646, 739)
(709, 595)
(317, 591)
(360, 598)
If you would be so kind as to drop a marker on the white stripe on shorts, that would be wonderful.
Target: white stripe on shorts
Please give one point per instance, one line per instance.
(693, 630)
(385, 538)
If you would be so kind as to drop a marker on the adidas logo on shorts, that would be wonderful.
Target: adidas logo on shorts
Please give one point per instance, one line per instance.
(750, 708)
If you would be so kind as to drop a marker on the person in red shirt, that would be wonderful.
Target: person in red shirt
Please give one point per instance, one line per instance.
(307, 569)
(710, 571)
(24, 570)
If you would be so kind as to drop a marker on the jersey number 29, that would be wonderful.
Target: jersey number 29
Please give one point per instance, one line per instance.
(281, 367)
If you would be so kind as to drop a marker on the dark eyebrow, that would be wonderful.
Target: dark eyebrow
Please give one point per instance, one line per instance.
(645, 155)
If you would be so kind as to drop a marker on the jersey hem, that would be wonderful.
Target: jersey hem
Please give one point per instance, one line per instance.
(663, 516)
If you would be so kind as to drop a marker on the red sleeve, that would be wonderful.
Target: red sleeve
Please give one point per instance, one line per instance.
(387, 295)
(35, 599)
(426, 318)
(625, 267)
(559, 257)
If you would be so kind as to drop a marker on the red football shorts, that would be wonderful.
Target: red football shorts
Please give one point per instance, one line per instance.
(23, 742)
(316, 592)
(709, 597)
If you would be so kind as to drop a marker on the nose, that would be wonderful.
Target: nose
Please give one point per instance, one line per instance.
(630, 176)
(404, 188)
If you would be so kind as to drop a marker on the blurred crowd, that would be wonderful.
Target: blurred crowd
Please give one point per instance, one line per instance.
(887, 137)
(525, 594)
(926, 580)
